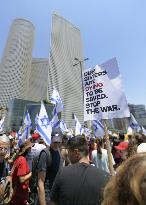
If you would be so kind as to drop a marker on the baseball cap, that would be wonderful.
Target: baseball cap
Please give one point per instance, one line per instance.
(56, 138)
(122, 146)
(35, 136)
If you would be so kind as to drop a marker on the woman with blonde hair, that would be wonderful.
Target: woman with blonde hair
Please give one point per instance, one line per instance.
(100, 156)
(128, 186)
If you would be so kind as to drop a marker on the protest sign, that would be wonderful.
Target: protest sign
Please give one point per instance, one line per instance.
(102, 99)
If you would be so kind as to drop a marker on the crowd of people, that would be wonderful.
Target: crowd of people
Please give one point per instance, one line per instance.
(73, 170)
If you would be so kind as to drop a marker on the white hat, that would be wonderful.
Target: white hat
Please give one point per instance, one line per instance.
(141, 148)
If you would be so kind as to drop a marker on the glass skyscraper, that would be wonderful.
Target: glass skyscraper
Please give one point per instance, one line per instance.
(16, 62)
(66, 45)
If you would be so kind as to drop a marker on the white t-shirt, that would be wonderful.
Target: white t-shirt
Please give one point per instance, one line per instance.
(101, 163)
(36, 149)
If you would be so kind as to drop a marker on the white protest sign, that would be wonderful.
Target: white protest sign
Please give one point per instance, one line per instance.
(102, 100)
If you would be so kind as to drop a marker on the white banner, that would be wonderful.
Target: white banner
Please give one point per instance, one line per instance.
(102, 99)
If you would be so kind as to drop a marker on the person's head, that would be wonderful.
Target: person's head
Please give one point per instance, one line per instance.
(64, 140)
(77, 148)
(121, 137)
(25, 148)
(100, 144)
(123, 149)
(35, 137)
(55, 141)
(4, 145)
(128, 186)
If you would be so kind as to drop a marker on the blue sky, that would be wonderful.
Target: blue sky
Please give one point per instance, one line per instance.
(109, 28)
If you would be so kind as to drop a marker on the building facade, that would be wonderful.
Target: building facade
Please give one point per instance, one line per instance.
(139, 113)
(38, 80)
(16, 62)
(65, 46)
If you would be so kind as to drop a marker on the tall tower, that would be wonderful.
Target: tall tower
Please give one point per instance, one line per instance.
(16, 62)
(65, 46)
(38, 81)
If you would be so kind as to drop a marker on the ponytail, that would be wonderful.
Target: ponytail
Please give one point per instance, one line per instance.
(99, 146)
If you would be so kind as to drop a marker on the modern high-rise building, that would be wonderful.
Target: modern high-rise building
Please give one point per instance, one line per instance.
(139, 113)
(66, 45)
(16, 62)
(38, 80)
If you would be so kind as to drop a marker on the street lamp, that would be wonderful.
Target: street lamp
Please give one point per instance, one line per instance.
(79, 62)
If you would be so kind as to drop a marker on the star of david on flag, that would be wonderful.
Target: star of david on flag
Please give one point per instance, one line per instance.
(98, 128)
(43, 126)
(45, 121)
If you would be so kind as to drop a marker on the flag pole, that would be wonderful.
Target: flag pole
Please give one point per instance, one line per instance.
(108, 147)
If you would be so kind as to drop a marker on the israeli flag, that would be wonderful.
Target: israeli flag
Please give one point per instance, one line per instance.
(55, 120)
(134, 124)
(57, 101)
(143, 130)
(24, 131)
(87, 131)
(36, 119)
(43, 126)
(78, 127)
(63, 127)
(98, 128)
(2, 124)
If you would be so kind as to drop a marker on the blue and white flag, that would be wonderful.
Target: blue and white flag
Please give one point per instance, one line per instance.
(98, 128)
(63, 127)
(143, 130)
(36, 119)
(2, 124)
(57, 101)
(134, 124)
(78, 127)
(43, 126)
(55, 120)
(87, 132)
(24, 131)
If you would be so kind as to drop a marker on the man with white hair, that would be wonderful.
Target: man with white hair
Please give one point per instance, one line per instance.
(4, 153)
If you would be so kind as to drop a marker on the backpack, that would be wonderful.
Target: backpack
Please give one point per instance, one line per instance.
(34, 179)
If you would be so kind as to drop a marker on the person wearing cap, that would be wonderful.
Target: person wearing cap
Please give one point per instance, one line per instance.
(38, 147)
(47, 174)
(122, 151)
(20, 174)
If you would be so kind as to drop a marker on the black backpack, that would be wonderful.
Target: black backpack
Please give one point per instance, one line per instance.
(34, 179)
